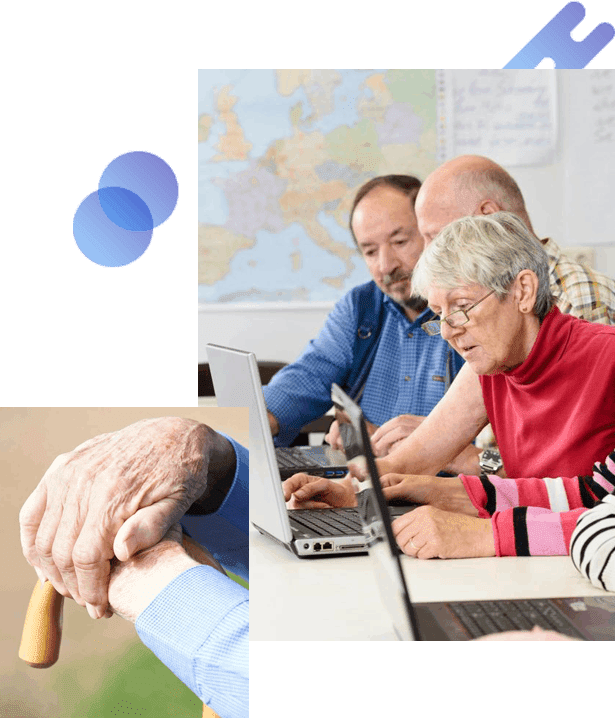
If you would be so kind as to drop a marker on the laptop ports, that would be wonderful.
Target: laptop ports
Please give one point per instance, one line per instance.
(327, 546)
(317, 546)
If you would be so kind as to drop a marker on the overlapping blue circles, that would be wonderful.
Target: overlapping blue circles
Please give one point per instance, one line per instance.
(114, 225)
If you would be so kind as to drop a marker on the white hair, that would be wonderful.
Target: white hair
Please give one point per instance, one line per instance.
(488, 250)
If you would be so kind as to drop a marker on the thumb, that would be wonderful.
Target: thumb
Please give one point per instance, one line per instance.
(145, 528)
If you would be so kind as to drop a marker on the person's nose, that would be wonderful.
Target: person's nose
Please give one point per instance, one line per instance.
(448, 333)
(388, 260)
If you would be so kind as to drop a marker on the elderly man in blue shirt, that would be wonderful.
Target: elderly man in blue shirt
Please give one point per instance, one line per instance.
(102, 526)
(371, 344)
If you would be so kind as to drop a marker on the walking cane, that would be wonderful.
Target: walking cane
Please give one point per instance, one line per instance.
(42, 630)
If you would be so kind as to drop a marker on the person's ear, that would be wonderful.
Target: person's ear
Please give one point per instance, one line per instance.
(488, 207)
(526, 290)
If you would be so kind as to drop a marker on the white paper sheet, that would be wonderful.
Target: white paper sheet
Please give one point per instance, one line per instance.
(509, 116)
(590, 168)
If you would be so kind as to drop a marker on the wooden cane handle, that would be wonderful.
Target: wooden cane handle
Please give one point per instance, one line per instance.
(42, 630)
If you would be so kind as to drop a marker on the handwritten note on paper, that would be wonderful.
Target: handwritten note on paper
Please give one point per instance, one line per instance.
(589, 188)
(507, 115)
(601, 86)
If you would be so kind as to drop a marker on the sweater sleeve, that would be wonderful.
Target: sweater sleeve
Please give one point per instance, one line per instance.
(301, 391)
(536, 516)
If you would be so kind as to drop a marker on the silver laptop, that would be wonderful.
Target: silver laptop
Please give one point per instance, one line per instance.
(306, 532)
(318, 461)
(453, 620)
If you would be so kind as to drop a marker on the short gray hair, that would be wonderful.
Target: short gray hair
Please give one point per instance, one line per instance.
(488, 250)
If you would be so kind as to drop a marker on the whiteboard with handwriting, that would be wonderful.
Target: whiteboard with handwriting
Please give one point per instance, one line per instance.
(507, 115)
(589, 189)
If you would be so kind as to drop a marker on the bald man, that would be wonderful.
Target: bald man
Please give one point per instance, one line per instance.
(474, 185)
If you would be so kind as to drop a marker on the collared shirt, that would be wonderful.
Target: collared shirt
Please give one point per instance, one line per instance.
(198, 625)
(408, 374)
(580, 291)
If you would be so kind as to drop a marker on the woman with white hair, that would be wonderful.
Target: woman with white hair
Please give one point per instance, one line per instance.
(544, 380)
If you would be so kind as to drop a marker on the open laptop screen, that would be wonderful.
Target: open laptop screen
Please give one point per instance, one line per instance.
(373, 509)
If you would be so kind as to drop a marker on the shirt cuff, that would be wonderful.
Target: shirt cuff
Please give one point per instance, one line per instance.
(225, 532)
(288, 412)
(476, 493)
(198, 627)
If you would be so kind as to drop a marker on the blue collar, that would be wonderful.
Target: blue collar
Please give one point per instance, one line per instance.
(425, 316)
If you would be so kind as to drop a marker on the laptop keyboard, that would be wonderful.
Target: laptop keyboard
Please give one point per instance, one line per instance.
(296, 458)
(480, 618)
(328, 522)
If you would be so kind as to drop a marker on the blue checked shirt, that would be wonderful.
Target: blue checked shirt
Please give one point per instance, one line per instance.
(408, 374)
(198, 625)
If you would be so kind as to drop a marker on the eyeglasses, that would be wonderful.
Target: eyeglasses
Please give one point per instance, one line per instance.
(458, 318)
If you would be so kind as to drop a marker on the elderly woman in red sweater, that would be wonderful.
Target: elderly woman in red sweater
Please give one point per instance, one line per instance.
(543, 379)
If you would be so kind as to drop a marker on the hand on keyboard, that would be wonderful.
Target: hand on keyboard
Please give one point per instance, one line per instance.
(303, 491)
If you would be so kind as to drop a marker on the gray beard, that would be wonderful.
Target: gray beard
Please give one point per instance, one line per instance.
(418, 304)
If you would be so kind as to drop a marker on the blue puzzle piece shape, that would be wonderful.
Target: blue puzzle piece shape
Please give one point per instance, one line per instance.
(554, 41)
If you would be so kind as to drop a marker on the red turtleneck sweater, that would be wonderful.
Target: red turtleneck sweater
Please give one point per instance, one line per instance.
(554, 415)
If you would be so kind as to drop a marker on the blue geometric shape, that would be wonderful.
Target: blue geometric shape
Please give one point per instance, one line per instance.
(147, 176)
(554, 41)
(101, 240)
(125, 209)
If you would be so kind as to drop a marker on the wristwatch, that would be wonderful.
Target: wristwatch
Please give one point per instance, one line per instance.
(490, 461)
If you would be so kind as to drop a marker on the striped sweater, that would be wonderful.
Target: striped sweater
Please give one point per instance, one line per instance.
(537, 516)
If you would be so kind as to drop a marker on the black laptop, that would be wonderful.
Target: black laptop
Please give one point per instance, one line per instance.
(589, 617)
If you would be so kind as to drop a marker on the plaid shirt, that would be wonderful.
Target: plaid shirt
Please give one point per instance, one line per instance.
(578, 290)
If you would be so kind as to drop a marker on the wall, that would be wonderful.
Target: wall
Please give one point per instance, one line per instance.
(280, 331)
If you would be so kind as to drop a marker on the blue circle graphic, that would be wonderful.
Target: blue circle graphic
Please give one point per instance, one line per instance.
(125, 209)
(147, 176)
(100, 238)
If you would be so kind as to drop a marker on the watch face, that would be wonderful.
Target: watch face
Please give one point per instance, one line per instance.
(490, 460)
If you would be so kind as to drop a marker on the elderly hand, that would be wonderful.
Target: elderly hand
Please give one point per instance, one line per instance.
(394, 431)
(428, 532)
(305, 492)
(446, 493)
(133, 584)
(117, 493)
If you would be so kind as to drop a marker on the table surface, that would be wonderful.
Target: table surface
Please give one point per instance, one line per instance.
(336, 598)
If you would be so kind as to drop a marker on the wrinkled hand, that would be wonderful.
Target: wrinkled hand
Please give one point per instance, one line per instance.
(394, 431)
(303, 491)
(428, 532)
(133, 584)
(114, 494)
(446, 493)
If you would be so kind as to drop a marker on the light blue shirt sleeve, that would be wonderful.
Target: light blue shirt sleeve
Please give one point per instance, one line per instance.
(198, 626)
